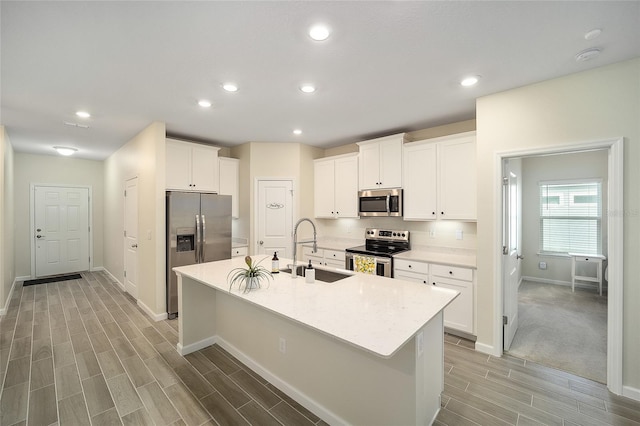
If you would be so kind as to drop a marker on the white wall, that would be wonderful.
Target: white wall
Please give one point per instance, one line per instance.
(7, 253)
(54, 170)
(144, 157)
(583, 165)
(599, 104)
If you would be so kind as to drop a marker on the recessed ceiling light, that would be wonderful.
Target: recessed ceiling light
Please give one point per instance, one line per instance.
(307, 88)
(230, 87)
(594, 33)
(587, 54)
(83, 114)
(64, 150)
(319, 32)
(204, 103)
(297, 132)
(470, 81)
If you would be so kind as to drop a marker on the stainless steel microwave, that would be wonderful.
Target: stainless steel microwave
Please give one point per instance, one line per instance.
(380, 202)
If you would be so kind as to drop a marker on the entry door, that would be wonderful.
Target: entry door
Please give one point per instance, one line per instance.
(512, 223)
(60, 230)
(131, 237)
(275, 217)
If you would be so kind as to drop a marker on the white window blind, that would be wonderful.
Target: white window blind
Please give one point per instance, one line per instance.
(571, 217)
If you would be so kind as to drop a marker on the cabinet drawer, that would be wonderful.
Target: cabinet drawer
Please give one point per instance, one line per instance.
(410, 265)
(308, 252)
(330, 255)
(452, 272)
(410, 276)
(239, 251)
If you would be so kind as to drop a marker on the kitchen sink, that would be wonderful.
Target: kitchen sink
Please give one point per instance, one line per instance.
(321, 274)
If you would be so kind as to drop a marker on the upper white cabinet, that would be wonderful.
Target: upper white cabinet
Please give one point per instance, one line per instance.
(229, 182)
(380, 162)
(191, 166)
(336, 187)
(440, 178)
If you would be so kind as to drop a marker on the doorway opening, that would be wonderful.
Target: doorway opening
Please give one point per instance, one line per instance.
(612, 237)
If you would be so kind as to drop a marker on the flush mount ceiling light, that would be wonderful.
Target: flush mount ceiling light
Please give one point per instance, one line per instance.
(594, 33)
(83, 114)
(587, 54)
(297, 132)
(230, 87)
(64, 150)
(307, 88)
(472, 80)
(204, 103)
(319, 32)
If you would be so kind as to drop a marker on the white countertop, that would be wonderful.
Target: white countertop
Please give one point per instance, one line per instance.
(373, 313)
(453, 257)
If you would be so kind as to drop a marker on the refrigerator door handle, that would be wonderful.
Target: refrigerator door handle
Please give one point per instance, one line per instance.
(198, 247)
(204, 239)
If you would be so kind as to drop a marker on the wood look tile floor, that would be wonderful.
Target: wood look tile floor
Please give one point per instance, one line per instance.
(81, 352)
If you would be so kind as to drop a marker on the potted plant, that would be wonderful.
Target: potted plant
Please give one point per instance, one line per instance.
(250, 277)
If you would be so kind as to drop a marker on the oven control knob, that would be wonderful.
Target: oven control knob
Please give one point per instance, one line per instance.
(403, 234)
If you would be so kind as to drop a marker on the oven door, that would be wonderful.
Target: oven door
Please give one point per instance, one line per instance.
(383, 264)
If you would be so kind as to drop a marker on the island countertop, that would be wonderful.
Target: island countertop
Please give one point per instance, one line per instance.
(373, 313)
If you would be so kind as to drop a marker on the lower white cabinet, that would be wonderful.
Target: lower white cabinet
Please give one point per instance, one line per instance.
(460, 314)
(239, 251)
(324, 257)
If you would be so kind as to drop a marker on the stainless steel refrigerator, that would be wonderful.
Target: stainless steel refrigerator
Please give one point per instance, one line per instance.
(198, 231)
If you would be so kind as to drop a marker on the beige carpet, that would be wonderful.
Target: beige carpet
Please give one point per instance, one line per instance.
(561, 329)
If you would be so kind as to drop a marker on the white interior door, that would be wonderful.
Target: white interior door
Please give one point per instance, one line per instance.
(61, 230)
(512, 214)
(131, 237)
(275, 217)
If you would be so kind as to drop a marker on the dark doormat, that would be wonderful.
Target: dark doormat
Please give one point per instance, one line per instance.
(52, 279)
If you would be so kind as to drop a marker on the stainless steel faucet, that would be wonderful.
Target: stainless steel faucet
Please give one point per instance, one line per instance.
(294, 272)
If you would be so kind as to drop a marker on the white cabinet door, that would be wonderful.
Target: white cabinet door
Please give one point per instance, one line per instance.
(324, 186)
(391, 164)
(178, 174)
(420, 184)
(229, 182)
(457, 179)
(459, 314)
(346, 187)
(204, 173)
(191, 167)
(369, 166)
(380, 164)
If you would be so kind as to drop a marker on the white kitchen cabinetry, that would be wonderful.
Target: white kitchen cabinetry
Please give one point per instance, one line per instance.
(380, 163)
(440, 178)
(229, 182)
(239, 251)
(460, 314)
(324, 257)
(191, 166)
(336, 187)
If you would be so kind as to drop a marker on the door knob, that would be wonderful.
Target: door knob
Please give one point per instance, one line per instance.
(519, 257)
(261, 242)
(38, 236)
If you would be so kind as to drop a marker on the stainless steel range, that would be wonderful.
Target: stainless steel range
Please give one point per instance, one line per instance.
(380, 246)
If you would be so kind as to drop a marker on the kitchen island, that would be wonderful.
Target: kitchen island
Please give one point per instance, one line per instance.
(362, 350)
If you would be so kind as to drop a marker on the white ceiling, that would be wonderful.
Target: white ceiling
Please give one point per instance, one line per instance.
(387, 67)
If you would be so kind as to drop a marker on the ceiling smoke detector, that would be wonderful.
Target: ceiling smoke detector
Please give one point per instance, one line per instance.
(587, 54)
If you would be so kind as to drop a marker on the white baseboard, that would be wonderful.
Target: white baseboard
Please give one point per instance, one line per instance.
(113, 278)
(487, 349)
(185, 350)
(547, 281)
(153, 315)
(6, 304)
(23, 278)
(630, 392)
(298, 396)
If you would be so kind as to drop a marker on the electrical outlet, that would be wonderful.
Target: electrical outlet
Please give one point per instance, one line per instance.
(542, 265)
(283, 345)
(432, 233)
(458, 234)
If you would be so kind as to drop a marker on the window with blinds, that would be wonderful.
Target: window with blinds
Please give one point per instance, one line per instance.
(571, 217)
